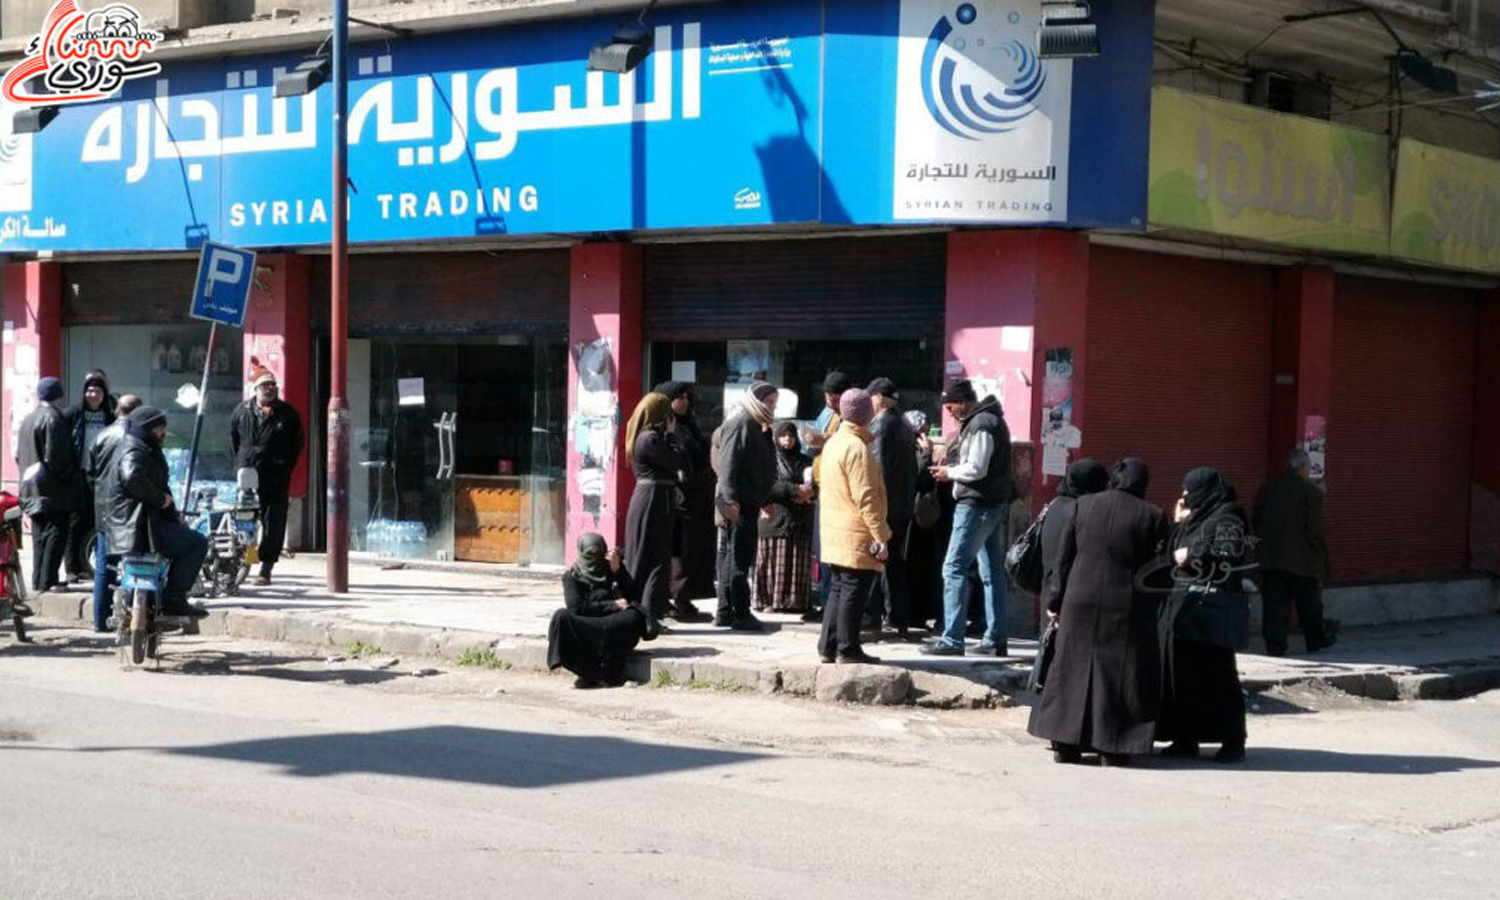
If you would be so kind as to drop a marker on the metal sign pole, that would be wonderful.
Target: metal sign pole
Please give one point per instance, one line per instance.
(208, 362)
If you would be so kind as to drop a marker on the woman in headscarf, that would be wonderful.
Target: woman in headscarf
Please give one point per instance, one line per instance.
(602, 621)
(1083, 478)
(1201, 698)
(1104, 686)
(693, 540)
(783, 570)
(652, 516)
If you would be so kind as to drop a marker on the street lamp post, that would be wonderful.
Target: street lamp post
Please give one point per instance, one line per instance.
(338, 405)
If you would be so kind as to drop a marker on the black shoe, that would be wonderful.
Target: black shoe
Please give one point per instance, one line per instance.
(827, 660)
(103, 629)
(858, 657)
(747, 622)
(183, 609)
(1330, 636)
(583, 684)
(938, 648)
(262, 580)
(1064, 755)
(723, 621)
(1114, 760)
(1181, 750)
(685, 612)
(1230, 753)
(813, 615)
(987, 648)
(1277, 652)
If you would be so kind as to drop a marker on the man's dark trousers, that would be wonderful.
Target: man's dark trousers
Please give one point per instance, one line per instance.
(49, 539)
(1279, 592)
(273, 509)
(846, 607)
(891, 593)
(186, 549)
(736, 566)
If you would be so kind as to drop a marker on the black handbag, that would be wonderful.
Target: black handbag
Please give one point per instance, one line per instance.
(1216, 618)
(1023, 561)
(1046, 648)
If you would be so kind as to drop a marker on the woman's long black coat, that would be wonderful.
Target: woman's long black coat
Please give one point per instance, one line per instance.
(1103, 689)
(651, 520)
(592, 637)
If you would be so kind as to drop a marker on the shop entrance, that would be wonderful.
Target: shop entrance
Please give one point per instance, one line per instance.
(458, 448)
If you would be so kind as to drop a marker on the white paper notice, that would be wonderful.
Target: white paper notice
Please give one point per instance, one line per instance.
(1054, 460)
(685, 371)
(411, 391)
(1015, 338)
(982, 124)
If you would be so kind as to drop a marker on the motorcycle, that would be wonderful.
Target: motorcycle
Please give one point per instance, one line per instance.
(138, 619)
(233, 535)
(12, 585)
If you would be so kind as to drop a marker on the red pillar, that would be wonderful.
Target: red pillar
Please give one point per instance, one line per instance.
(1302, 357)
(604, 334)
(1484, 518)
(1016, 299)
(277, 336)
(31, 297)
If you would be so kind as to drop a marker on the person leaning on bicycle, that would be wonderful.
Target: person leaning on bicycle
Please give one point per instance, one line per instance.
(140, 514)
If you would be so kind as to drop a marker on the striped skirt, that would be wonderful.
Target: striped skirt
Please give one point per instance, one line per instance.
(783, 574)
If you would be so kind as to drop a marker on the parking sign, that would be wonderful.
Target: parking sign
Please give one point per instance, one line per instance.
(222, 290)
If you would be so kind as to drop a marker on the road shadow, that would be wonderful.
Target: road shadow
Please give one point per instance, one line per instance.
(473, 755)
(1293, 760)
(264, 665)
(678, 652)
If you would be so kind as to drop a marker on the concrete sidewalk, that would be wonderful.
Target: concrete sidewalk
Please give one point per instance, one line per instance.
(422, 612)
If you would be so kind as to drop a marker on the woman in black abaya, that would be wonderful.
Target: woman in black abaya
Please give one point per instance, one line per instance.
(693, 546)
(602, 622)
(1202, 701)
(652, 517)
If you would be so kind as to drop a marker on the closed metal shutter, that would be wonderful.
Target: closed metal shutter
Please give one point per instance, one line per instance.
(1179, 367)
(480, 292)
(1401, 429)
(825, 289)
(149, 292)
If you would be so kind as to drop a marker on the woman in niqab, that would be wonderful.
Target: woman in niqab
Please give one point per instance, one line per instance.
(602, 620)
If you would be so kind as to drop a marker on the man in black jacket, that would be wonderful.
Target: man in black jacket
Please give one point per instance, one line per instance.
(86, 421)
(894, 447)
(746, 463)
(1293, 557)
(101, 456)
(266, 433)
(51, 482)
(982, 490)
(140, 514)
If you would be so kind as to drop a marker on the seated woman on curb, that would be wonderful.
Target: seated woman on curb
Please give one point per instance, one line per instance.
(603, 620)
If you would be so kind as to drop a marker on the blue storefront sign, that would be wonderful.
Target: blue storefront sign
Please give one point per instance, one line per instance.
(746, 115)
(222, 288)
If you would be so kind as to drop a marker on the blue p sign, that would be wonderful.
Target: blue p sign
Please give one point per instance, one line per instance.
(223, 285)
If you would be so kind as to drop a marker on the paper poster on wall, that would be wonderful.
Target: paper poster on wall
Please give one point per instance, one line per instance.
(982, 124)
(1059, 435)
(1315, 442)
(411, 391)
(685, 371)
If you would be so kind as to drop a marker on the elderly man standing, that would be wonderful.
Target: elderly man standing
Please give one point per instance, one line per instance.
(746, 463)
(854, 533)
(51, 482)
(1293, 557)
(894, 446)
(266, 434)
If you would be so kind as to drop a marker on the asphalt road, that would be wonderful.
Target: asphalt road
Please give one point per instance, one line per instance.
(249, 771)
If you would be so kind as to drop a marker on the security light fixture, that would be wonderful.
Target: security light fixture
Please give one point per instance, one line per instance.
(33, 119)
(305, 78)
(628, 48)
(1068, 31)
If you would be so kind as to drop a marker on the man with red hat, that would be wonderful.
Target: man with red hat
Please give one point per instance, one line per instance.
(266, 434)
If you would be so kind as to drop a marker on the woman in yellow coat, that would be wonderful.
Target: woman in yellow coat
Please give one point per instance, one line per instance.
(852, 528)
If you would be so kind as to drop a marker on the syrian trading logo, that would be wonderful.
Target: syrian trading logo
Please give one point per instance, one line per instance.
(969, 100)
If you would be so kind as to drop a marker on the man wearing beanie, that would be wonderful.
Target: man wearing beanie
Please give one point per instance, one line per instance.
(141, 515)
(86, 421)
(97, 463)
(51, 482)
(853, 528)
(266, 434)
(746, 464)
(983, 491)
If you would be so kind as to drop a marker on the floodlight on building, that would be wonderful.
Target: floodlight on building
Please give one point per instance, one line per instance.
(1068, 31)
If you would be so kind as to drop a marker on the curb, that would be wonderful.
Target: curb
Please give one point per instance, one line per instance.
(877, 685)
(1447, 681)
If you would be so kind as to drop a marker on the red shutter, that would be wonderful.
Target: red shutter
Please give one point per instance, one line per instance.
(1179, 367)
(1400, 431)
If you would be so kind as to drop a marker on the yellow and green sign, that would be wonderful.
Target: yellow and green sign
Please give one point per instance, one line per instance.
(1230, 169)
(1447, 208)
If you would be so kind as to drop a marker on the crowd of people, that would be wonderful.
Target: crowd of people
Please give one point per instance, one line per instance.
(850, 494)
(1145, 610)
(96, 485)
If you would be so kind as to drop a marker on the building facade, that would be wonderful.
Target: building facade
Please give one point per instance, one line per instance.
(1204, 257)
